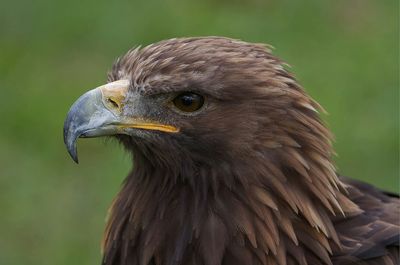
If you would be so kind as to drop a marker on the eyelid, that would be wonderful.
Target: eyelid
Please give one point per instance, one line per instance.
(172, 93)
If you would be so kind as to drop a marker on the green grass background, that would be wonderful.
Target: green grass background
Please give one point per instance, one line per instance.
(344, 52)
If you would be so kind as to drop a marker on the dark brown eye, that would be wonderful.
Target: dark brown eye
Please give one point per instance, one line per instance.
(188, 101)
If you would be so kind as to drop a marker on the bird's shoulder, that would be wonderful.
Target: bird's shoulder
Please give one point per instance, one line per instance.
(374, 234)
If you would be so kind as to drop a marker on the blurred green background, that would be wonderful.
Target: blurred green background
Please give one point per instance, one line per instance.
(345, 53)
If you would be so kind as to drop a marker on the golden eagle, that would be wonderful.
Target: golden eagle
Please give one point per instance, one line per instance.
(232, 164)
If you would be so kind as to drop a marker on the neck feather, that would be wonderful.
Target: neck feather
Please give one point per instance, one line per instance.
(230, 214)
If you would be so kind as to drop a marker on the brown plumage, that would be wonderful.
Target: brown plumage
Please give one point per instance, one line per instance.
(248, 179)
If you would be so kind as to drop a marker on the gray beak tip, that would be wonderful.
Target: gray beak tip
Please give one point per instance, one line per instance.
(70, 143)
(74, 155)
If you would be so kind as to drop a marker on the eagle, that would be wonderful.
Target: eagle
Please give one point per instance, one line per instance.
(232, 164)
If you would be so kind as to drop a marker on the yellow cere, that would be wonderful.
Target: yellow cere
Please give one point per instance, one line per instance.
(114, 93)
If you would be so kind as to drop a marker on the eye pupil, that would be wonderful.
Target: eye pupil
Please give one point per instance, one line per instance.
(188, 102)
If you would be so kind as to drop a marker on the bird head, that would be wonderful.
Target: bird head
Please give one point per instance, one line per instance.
(198, 100)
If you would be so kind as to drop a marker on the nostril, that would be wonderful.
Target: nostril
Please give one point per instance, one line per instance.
(113, 103)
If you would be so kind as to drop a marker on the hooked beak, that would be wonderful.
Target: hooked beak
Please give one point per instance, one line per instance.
(98, 112)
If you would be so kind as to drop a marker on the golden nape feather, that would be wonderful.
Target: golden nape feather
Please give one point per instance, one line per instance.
(232, 164)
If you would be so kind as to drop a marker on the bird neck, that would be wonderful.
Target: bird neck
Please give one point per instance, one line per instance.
(209, 213)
